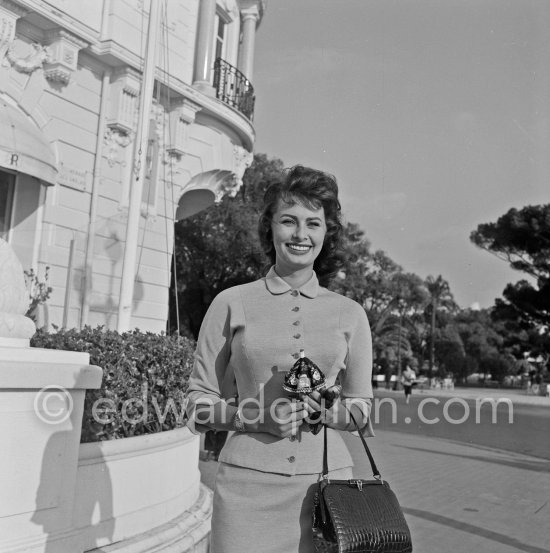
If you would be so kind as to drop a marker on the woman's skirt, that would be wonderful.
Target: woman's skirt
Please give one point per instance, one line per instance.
(263, 512)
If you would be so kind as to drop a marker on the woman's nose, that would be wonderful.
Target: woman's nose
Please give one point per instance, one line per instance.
(300, 232)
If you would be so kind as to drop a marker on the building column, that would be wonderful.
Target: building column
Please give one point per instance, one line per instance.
(250, 17)
(204, 47)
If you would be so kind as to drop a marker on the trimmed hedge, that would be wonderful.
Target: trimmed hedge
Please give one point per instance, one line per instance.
(145, 377)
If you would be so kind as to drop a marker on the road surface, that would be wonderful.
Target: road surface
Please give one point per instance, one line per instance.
(505, 425)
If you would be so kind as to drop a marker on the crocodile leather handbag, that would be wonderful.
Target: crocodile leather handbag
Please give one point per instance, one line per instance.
(358, 516)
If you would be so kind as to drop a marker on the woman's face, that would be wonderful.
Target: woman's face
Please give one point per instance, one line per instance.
(298, 235)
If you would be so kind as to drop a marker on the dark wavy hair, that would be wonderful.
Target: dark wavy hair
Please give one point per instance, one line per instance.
(313, 189)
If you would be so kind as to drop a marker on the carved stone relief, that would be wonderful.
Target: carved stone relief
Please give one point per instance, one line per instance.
(242, 161)
(26, 58)
(231, 183)
(115, 141)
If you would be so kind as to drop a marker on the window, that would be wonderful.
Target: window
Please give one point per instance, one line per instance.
(220, 27)
(7, 181)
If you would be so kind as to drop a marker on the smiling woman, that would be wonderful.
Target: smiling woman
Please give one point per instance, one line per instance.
(301, 217)
(252, 335)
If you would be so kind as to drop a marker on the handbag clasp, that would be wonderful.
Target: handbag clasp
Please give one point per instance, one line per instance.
(358, 483)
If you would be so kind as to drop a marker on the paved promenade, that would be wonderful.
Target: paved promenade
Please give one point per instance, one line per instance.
(460, 498)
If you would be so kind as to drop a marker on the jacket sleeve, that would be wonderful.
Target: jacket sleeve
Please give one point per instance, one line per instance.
(356, 379)
(211, 376)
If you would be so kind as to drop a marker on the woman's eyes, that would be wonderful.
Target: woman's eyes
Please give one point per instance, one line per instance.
(289, 222)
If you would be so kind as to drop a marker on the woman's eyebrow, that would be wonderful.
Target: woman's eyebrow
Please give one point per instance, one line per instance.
(295, 217)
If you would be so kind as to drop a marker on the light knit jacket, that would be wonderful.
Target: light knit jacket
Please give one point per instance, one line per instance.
(254, 333)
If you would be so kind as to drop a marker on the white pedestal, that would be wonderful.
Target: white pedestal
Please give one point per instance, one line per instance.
(41, 403)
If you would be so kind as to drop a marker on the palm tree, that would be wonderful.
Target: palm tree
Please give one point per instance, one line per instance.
(407, 296)
(393, 337)
(440, 297)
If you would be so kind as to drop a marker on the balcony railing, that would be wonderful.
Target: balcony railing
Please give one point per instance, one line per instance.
(233, 88)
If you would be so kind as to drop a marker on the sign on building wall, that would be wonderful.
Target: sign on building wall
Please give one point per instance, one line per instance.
(74, 178)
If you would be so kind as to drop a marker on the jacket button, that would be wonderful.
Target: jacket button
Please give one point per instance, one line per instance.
(292, 438)
(295, 309)
(297, 336)
(294, 293)
(296, 323)
(291, 459)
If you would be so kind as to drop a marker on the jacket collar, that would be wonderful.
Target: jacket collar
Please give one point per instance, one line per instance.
(276, 285)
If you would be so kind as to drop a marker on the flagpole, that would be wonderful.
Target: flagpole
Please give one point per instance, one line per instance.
(138, 173)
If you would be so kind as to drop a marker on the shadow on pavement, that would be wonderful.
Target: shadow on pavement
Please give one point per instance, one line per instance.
(535, 466)
(472, 529)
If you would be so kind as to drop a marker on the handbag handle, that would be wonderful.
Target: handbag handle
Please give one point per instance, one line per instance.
(375, 471)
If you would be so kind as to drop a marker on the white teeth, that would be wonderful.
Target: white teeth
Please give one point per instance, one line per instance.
(298, 248)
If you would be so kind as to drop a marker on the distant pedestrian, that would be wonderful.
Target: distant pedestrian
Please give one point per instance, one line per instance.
(407, 379)
(537, 381)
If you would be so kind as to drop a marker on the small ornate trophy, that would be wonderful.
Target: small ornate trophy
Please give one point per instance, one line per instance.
(306, 377)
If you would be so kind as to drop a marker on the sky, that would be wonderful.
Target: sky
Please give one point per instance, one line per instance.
(434, 116)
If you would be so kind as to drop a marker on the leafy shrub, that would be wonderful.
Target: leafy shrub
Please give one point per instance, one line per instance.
(145, 377)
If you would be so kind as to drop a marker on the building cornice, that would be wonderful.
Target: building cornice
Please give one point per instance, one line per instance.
(14, 7)
(59, 19)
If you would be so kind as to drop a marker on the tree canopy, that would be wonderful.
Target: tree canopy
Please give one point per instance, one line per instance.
(521, 237)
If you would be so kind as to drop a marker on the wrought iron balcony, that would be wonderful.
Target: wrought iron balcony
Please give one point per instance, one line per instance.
(233, 88)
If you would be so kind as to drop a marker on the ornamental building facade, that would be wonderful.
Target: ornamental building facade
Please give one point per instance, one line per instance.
(118, 118)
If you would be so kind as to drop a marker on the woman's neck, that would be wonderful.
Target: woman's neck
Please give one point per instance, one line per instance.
(294, 278)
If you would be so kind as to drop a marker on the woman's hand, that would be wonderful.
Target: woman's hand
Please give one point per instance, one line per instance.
(282, 418)
(334, 417)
